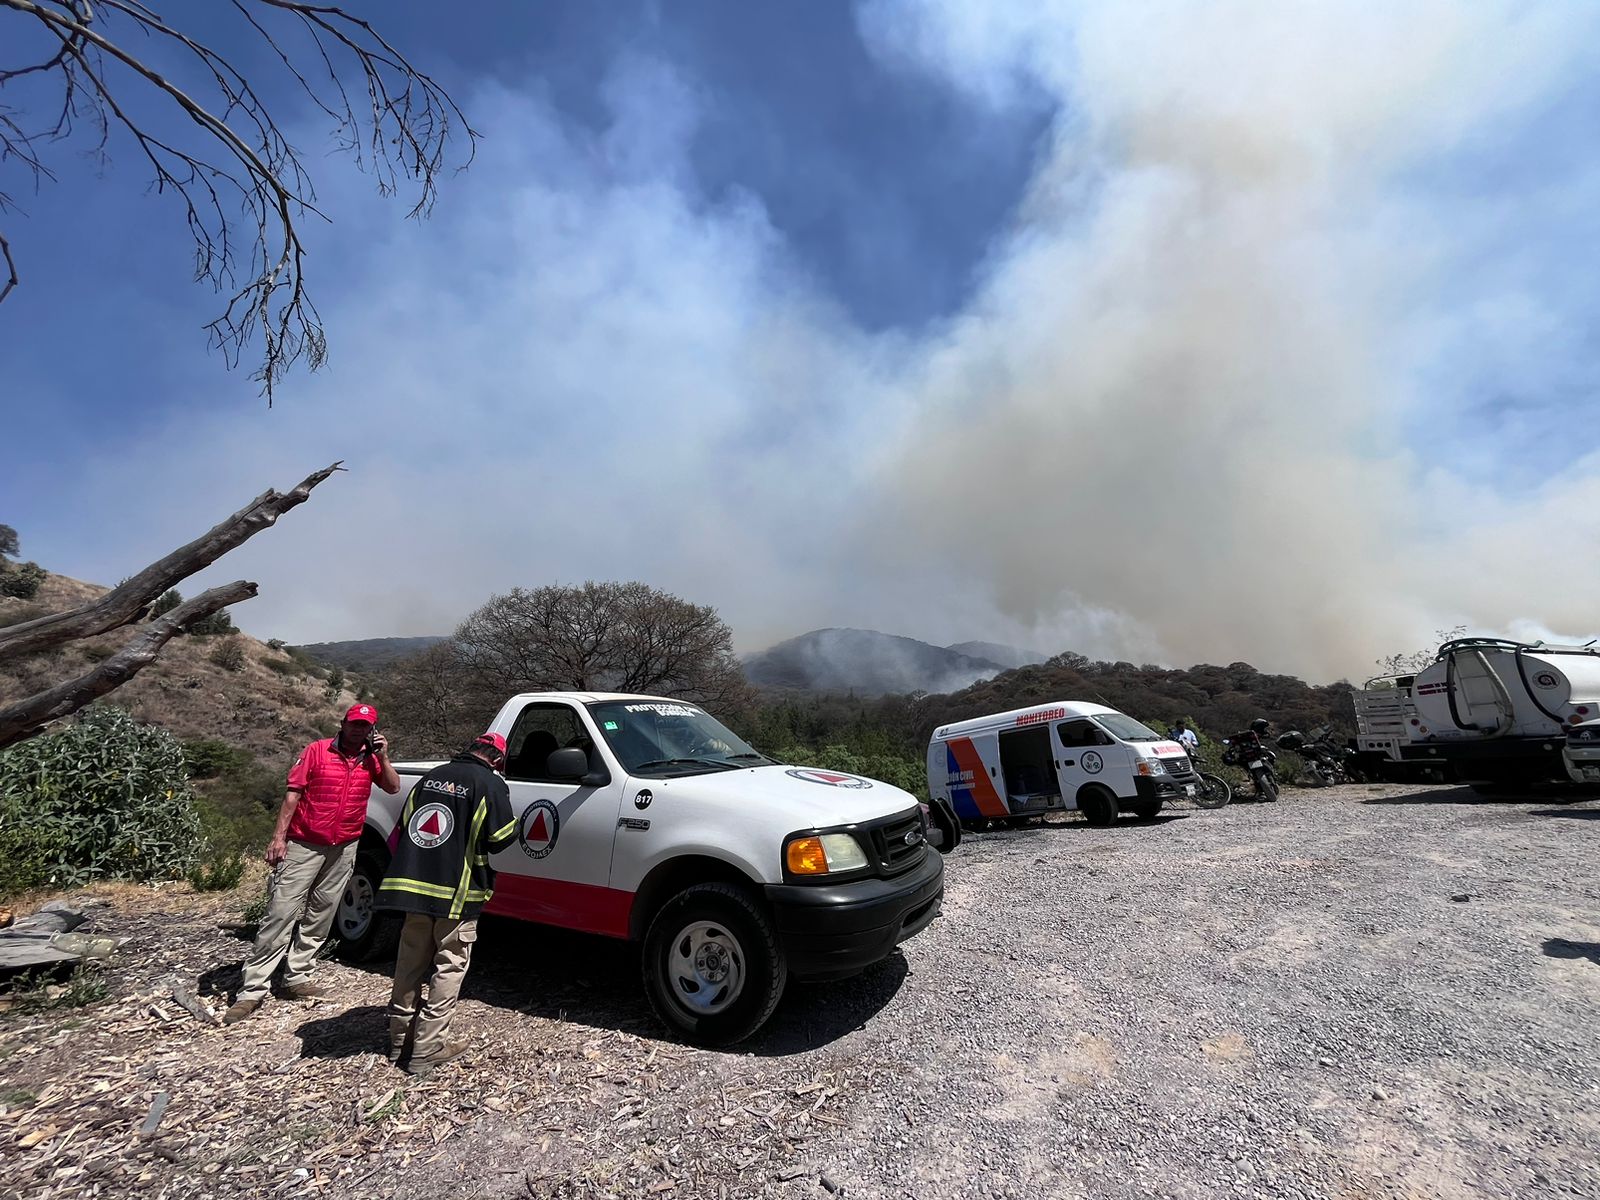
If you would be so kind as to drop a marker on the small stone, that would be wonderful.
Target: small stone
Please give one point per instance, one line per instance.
(1379, 1094)
(1325, 1062)
(1461, 897)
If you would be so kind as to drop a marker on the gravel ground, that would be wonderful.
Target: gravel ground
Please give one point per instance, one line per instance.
(1358, 992)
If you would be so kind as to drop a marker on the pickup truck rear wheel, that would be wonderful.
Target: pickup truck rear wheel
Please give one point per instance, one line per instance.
(712, 966)
(363, 932)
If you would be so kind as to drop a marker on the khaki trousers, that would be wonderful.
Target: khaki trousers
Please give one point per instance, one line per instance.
(302, 895)
(443, 948)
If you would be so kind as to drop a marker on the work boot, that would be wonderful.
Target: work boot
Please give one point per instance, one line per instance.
(445, 1053)
(305, 991)
(240, 1011)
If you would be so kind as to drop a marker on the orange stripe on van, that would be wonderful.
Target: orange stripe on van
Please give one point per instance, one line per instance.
(983, 792)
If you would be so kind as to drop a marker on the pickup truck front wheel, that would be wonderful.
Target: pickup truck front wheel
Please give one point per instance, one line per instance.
(712, 966)
(363, 932)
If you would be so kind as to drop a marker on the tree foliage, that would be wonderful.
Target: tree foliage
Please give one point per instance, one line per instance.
(105, 74)
(104, 798)
(605, 637)
(10, 547)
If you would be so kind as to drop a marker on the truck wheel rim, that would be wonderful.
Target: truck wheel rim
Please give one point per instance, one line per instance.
(705, 965)
(355, 907)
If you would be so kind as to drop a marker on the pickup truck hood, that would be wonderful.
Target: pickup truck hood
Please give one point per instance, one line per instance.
(809, 796)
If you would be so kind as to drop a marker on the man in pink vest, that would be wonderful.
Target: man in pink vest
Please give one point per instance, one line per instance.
(312, 853)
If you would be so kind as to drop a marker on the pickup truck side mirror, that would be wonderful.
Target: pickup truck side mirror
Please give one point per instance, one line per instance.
(571, 763)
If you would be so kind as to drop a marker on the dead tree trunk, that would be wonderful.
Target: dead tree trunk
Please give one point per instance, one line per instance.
(129, 602)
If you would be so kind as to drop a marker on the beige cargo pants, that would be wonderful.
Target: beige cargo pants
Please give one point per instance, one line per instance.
(443, 948)
(304, 892)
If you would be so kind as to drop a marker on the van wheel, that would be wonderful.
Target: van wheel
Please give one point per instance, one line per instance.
(712, 966)
(1147, 810)
(364, 933)
(1098, 806)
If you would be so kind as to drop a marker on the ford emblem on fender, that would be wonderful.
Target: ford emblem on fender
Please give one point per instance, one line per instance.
(913, 836)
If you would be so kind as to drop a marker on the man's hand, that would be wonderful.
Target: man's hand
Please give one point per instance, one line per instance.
(277, 851)
(380, 745)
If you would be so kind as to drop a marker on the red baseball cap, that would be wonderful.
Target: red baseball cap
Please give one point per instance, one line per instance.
(362, 712)
(491, 739)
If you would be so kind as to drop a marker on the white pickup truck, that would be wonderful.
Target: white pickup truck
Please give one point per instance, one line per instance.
(646, 819)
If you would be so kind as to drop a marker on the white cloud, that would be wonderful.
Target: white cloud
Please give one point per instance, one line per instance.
(1168, 425)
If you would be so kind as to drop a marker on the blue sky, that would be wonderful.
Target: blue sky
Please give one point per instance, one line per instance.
(1196, 332)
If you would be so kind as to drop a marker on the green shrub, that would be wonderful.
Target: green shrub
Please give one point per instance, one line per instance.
(44, 989)
(335, 680)
(206, 758)
(255, 911)
(166, 602)
(21, 580)
(275, 644)
(229, 655)
(897, 770)
(221, 874)
(105, 798)
(218, 624)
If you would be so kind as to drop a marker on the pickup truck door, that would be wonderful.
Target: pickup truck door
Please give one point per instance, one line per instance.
(557, 870)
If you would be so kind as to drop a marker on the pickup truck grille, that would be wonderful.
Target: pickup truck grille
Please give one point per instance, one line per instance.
(896, 843)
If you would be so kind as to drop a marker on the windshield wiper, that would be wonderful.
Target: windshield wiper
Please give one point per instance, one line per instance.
(743, 757)
(714, 764)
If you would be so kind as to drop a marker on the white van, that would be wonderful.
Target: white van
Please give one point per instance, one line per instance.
(1060, 756)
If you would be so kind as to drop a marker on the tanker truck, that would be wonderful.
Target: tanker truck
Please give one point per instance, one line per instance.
(1491, 713)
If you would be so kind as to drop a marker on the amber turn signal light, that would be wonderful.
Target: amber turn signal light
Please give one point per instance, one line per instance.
(806, 857)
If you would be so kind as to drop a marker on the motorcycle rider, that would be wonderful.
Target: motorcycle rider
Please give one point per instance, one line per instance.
(1185, 737)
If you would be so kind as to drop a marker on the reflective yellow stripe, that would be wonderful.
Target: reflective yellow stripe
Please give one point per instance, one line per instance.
(461, 896)
(439, 891)
(504, 831)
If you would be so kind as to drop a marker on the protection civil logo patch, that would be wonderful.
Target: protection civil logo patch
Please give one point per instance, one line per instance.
(430, 825)
(538, 829)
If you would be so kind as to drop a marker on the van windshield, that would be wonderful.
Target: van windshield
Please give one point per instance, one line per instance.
(670, 737)
(1126, 729)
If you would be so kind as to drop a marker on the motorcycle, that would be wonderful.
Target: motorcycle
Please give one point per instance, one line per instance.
(1214, 791)
(1245, 750)
(1326, 760)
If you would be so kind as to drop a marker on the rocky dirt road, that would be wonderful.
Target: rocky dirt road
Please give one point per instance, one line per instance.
(1358, 992)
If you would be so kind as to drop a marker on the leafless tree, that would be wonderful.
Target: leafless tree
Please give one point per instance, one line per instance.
(96, 72)
(433, 703)
(623, 637)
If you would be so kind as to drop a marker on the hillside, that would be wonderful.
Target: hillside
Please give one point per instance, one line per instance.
(863, 661)
(995, 652)
(368, 655)
(271, 706)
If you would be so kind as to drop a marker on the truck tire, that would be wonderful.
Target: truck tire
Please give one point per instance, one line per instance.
(364, 934)
(1147, 810)
(1098, 806)
(712, 965)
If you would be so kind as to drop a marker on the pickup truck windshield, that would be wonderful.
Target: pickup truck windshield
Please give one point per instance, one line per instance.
(1127, 729)
(670, 737)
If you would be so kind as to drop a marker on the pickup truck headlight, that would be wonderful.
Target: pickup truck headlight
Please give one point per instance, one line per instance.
(824, 854)
(1151, 766)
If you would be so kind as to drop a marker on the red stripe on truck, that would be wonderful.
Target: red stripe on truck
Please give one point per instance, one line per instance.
(582, 906)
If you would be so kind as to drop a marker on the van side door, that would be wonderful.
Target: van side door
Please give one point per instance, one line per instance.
(1085, 753)
(557, 870)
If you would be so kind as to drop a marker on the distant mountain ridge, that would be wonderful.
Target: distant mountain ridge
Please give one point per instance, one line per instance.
(866, 662)
(996, 652)
(368, 654)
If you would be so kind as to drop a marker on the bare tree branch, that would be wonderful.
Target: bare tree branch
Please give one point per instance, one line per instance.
(11, 268)
(130, 600)
(29, 717)
(242, 185)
